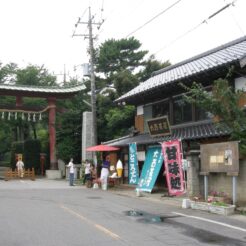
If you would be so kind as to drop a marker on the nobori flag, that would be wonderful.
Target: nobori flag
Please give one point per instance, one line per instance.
(133, 164)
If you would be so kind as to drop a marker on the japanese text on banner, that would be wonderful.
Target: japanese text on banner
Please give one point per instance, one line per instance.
(133, 164)
(173, 167)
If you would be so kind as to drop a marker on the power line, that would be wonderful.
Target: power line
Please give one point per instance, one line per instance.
(236, 22)
(195, 27)
(153, 18)
(122, 16)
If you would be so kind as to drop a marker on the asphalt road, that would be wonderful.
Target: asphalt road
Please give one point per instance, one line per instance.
(46, 213)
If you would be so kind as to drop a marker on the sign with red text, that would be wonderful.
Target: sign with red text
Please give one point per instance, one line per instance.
(173, 167)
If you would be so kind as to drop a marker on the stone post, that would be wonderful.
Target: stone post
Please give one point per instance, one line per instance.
(193, 182)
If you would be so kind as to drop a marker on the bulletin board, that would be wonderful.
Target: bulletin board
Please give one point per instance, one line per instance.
(220, 158)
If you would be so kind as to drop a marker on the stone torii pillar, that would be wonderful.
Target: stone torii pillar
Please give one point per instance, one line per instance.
(52, 132)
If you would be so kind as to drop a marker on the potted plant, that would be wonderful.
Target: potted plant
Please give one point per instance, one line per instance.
(218, 196)
(221, 208)
(198, 203)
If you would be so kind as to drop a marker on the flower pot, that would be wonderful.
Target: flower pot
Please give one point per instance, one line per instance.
(200, 205)
(224, 210)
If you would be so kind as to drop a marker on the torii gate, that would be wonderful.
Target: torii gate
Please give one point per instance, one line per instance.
(49, 93)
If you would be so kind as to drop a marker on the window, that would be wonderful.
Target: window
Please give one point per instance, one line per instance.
(201, 114)
(160, 109)
(182, 111)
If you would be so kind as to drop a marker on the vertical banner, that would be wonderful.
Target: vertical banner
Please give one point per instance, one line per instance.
(151, 169)
(133, 164)
(173, 167)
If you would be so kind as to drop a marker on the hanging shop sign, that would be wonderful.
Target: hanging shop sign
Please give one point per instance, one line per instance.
(159, 126)
(151, 168)
(173, 167)
(133, 164)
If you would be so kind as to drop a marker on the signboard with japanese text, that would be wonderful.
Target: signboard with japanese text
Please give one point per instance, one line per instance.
(133, 164)
(159, 126)
(173, 167)
(151, 168)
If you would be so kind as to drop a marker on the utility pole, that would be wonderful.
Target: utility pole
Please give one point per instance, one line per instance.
(90, 23)
(93, 84)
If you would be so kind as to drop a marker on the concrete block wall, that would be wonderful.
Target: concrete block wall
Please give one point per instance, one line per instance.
(219, 182)
(222, 182)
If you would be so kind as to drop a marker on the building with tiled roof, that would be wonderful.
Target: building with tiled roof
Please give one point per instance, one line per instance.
(161, 97)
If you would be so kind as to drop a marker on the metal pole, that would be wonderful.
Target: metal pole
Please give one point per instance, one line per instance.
(234, 190)
(205, 187)
(93, 87)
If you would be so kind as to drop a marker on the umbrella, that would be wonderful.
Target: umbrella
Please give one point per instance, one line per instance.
(101, 148)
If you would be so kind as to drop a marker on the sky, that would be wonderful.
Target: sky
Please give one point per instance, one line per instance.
(39, 32)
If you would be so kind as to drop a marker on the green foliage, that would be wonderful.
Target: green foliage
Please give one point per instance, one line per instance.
(115, 55)
(32, 150)
(35, 75)
(223, 102)
(222, 204)
(43, 136)
(7, 73)
(150, 66)
(69, 127)
(119, 120)
(124, 81)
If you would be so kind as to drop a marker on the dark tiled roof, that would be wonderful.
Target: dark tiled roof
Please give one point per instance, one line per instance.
(198, 130)
(222, 55)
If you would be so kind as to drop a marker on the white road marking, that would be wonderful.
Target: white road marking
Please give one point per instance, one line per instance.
(211, 221)
(99, 227)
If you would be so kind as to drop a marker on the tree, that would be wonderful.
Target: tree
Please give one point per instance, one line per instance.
(116, 55)
(7, 73)
(124, 81)
(150, 66)
(69, 126)
(224, 103)
(35, 75)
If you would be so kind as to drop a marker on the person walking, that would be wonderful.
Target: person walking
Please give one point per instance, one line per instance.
(71, 172)
(105, 172)
(20, 168)
(87, 171)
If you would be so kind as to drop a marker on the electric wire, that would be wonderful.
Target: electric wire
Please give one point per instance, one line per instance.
(127, 14)
(205, 21)
(153, 18)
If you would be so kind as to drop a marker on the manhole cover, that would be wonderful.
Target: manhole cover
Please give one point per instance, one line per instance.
(134, 213)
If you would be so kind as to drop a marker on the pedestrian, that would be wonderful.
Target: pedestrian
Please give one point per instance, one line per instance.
(87, 171)
(71, 172)
(20, 168)
(93, 172)
(105, 172)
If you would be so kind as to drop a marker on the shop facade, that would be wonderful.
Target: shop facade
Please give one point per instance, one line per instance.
(163, 96)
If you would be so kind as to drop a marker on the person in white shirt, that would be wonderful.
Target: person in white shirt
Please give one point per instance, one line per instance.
(87, 171)
(71, 172)
(20, 168)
